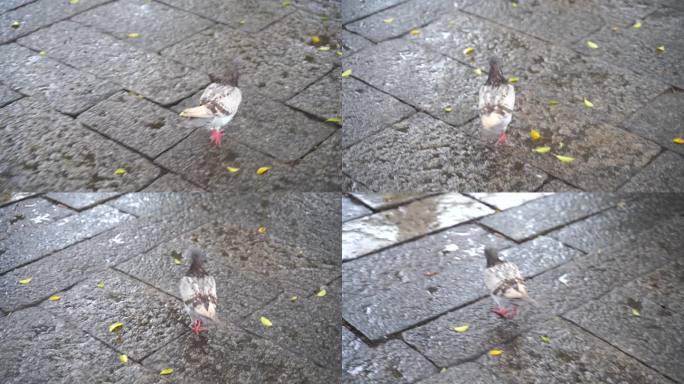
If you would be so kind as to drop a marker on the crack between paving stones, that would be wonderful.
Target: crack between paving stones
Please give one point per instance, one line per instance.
(382, 129)
(41, 300)
(374, 12)
(19, 6)
(85, 208)
(354, 199)
(357, 182)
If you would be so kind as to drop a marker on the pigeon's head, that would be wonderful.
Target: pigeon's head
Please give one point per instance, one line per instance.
(496, 76)
(229, 75)
(494, 62)
(197, 255)
(492, 257)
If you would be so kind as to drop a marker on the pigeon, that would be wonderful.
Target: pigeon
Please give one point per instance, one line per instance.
(219, 102)
(505, 284)
(198, 291)
(496, 102)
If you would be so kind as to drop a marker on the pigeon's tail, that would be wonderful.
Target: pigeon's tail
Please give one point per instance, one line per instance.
(200, 111)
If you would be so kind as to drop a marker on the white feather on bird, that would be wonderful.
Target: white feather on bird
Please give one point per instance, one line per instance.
(198, 291)
(495, 104)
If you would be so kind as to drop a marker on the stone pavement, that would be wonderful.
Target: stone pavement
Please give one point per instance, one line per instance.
(90, 86)
(409, 106)
(70, 243)
(412, 271)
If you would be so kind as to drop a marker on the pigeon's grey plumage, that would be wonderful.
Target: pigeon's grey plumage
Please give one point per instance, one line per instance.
(198, 289)
(496, 102)
(504, 282)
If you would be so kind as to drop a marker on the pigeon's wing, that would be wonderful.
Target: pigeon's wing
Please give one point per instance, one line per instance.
(199, 295)
(500, 99)
(221, 99)
(497, 276)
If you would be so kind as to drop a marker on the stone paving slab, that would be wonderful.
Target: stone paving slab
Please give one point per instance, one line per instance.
(472, 373)
(33, 243)
(150, 318)
(39, 14)
(664, 174)
(137, 123)
(382, 201)
(78, 159)
(322, 167)
(391, 362)
(621, 223)
(653, 337)
(250, 16)
(229, 354)
(548, 213)
(301, 26)
(660, 287)
(659, 120)
(9, 5)
(145, 203)
(352, 42)
(81, 200)
(64, 88)
(155, 77)
(420, 77)
(7, 95)
(356, 9)
(171, 182)
(158, 25)
(361, 115)
(556, 185)
(278, 68)
(29, 213)
(372, 233)
(506, 200)
(572, 357)
(8, 197)
(321, 99)
(39, 347)
(353, 210)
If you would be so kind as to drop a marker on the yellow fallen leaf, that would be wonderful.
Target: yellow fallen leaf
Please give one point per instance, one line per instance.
(262, 170)
(265, 322)
(637, 25)
(535, 135)
(119, 171)
(315, 39)
(546, 339)
(678, 140)
(565, 159)
(261, 229)
(166, 371)
(561, 145)
(339, 53)
(73, 2)
(115, 326)
(243, 21)
(346, 73)
(55, 297)
(469, 51)
(133, 35)
(286, 3)
(333, 120)
(322, 292)
(42, 53)
(415, 32)
(592, 45)
(542, 149)
(636, 312)
(443, 370)
(448, 109)
(324, 48)
(177, 261)
(25, 281)
(100, 284)
(514, 4)
(477, 72)
(15, 24)
(294, 298)
(232, 169)
(513, 79)
(462, 328)
(123, 359)
(553, 103)
(495, 352)
(588, 103)
(660, 49)
(451, 23)
(389, 20)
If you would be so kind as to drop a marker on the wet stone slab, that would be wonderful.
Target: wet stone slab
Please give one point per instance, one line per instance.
(29, 213)
(171, 182)
(8, 197)
(472, 373)
(505, 200)
(64, 88)
(659, 121)
(542, 215)
(229, 354)
(57, 153)
(146, 204)
(150, 318)
(7, 95)
(351, 42)
(662, 287)
(320, 170)
(137, 123)
(39, 347)
(302, 26)
(372, 233)
(81, 200)
(9, 5)
(321, 99)
(353, 210)
(39, 14)
(556, 185)
(278, 68)
(361, 116)
(652, 337)
(157, 78)
(664, 174)
(382, 201)
(33, 243)
(390, 362)
(421, 77)
(436, 157)
(573, 356)
(357, 9)
(622, 223)
(158, 25)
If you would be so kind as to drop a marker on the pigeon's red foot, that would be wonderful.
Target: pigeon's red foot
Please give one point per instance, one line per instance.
(197, 327)
(503, 139)
(216, 135)
(502, 312)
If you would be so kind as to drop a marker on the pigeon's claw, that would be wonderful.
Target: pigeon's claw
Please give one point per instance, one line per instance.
(197, 327)
(502, 312)
(216, 135)
(503, 139)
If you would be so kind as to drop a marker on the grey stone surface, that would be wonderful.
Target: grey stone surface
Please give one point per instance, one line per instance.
(548, 213)
(659, 120)
(351, 42)
(356, 9)
(372, 233)
(351, 209)
(556, 185)
(64, 88)
(171, 182)
(392, 362)
(320, 170)
(81, 200)
(279, 68)
(57, 153)
(158, 25)
(25, 246)
(661, 287)
(468, 373)
(426, 154)
(7, 95)
(301, 26)
(39, 347)
(321, 99)
(157, 78)
(29, 213)
(39, 14)
(245, 15)
(9, 5)
(147, 203)
(361, 114)
(382, 201)
(505, 200)
(137, 123)
(664, 174)
(150, 318)
(9, 197)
